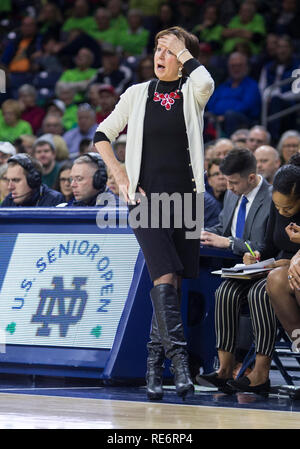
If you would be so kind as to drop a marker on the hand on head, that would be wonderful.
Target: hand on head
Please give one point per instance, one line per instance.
(172, 43)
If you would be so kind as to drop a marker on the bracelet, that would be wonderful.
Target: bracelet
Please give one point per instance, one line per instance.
(231, 242)
(180, 53)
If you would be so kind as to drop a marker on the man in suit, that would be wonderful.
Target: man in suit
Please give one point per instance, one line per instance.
(243, 219)
(246, 205)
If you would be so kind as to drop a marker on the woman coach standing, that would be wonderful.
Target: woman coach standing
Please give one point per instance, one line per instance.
(164, 154)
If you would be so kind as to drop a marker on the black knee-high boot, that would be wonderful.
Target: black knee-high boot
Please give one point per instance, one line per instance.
(155, 363)
(168, 315)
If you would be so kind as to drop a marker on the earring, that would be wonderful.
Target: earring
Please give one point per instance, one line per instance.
(180, 72)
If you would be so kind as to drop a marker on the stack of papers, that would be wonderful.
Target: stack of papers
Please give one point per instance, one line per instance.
(242, 271)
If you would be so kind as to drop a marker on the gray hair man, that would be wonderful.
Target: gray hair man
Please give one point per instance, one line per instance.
(268, 161)
(258, 135)
(87, 125)
(88, 179)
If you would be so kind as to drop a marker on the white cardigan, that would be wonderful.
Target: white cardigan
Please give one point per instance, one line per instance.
(130, 110)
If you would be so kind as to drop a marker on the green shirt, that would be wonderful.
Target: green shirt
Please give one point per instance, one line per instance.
(119, 23)
(210, 34)
(134, 44)
(257, 25)
(50, 178)
(5, 6)
(110, 35)
(148, 7)
(70, 117)
(78, 23)
(76, 75)
(11, 133)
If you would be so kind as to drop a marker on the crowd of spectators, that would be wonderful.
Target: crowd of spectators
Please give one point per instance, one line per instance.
(66, 64)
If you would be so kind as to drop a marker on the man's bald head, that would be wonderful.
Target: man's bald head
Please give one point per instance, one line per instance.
(222, 147)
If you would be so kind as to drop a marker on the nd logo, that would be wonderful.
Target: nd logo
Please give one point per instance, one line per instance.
(2, 82)
(70, 305)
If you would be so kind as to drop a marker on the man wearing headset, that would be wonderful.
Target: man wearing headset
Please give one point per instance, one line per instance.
(24, 175)
(88, 181)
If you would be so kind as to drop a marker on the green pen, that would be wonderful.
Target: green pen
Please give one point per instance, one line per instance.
(251, 252)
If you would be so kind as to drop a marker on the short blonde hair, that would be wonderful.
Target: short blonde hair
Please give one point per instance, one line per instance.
(190, 40)
(30, 139)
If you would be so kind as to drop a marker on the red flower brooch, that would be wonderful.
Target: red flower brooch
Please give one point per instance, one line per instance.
(166, 100)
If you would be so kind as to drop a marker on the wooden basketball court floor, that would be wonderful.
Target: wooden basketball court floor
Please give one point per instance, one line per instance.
(86, 405)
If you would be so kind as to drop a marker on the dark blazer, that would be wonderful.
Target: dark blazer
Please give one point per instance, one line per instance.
(212, 209)
(42, 197)
(256, 221)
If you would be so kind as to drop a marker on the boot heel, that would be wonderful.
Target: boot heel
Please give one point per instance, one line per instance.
(182, 378)
(185, 392)
(155, 395)
(154, 380)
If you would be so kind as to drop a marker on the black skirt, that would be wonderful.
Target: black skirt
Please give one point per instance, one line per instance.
(168, 249)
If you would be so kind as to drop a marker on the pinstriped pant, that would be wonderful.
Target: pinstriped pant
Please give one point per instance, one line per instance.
(230, 296)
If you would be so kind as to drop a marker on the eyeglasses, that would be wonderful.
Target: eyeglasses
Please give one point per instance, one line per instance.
(242, 140)
(77, 179)
(69, 180)
(251, 139)
(291, 145)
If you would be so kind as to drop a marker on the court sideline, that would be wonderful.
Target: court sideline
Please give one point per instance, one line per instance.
(127, 408)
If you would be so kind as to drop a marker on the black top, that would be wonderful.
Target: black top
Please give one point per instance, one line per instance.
(165, 158)
(88, 202)
(277, 243)
(42, 197)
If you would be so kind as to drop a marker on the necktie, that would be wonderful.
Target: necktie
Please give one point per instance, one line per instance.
(241, 217)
